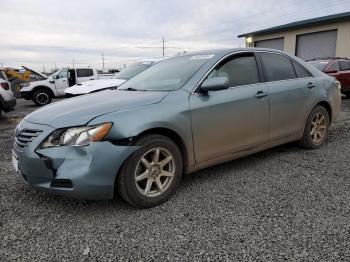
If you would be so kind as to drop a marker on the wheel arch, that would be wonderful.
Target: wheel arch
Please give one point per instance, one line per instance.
(328, 107)
(42, 87)
(172, 135)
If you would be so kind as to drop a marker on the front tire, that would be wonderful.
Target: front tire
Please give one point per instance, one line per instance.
(151, 175)
(316, 129)
(42, 97)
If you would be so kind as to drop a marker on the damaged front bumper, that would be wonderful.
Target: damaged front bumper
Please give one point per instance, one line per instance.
(87, 172)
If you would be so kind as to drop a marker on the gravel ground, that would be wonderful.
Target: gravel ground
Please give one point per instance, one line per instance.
(283, 204)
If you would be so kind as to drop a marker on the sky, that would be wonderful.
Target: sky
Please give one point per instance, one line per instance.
(54, 33)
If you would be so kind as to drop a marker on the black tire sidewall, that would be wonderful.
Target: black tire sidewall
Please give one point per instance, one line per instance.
(127, 179)
(35, 95)
(307, 137)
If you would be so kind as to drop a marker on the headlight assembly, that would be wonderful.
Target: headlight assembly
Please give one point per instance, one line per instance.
(76, 136)
(24, 85)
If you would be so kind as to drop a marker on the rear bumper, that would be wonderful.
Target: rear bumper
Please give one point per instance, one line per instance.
(9, 105)
(87, 172)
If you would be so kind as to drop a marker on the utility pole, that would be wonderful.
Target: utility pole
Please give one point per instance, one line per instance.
(163, 46)
(103, 62)
(44, 69)
(73, 62)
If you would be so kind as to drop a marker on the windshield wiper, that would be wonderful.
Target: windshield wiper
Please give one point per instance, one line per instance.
(133, 89)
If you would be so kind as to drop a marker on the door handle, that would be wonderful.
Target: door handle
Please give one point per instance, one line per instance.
(311, 85)
(261, 94)
(63, 80)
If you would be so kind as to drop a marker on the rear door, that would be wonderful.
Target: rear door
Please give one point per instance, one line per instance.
(85, 74)
(233, 119)
(293, 91)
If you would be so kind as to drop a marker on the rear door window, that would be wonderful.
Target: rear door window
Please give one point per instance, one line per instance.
(344, 65)
(277, 67)
(334, 67)
(85, 72)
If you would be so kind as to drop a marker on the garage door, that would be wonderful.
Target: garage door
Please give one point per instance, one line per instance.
(277, 43)
(317, 45)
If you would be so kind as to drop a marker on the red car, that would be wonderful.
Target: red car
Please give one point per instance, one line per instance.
(337, 67)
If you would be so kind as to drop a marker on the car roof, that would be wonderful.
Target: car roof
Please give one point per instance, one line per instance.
(232, 50)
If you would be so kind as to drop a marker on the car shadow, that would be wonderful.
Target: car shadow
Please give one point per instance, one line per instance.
(117, 204)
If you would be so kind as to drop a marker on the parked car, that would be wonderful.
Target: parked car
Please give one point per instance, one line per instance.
(98, 85)
(181, 115)
(42, 92)
(7, 97)
(336, 67)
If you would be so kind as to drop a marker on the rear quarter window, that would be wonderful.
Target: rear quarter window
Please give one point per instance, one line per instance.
(85, 72)
(300, 71)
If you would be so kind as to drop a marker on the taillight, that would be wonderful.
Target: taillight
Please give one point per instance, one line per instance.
(5, 86)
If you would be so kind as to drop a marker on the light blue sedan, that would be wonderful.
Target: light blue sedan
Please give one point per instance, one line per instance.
(179, 116)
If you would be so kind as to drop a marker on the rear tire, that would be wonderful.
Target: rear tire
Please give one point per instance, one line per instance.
(151, 175)
(42, 97)
(316, 129)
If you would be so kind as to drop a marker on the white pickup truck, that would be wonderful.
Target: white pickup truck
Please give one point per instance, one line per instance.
(42, 92)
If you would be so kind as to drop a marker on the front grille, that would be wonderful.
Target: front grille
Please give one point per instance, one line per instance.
(26, 136)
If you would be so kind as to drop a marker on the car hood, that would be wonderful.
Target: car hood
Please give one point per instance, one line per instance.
(93, 85)
(80, 110)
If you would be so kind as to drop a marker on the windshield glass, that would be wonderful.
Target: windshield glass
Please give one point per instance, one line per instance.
(133, 70)
(320, 65)
(167, 75)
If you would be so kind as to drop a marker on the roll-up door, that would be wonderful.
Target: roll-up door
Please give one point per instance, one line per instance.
(277, 43)
(316, 45)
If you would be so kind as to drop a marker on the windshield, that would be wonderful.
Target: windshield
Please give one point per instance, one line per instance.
(167, 75)
(320, 65)
(133, 70)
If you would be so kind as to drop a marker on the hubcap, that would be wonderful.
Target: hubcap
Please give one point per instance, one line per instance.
(318, 128)
(155, 172)
(42, 98)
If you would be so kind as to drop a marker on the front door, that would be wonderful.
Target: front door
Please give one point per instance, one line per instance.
(233, 119)
(61, 81)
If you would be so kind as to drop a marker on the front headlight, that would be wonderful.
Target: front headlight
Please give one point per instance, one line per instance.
(77, 136)
(24, 85)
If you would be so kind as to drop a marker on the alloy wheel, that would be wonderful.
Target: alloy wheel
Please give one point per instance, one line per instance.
(318, 127)
(42, 98)
(155, 172)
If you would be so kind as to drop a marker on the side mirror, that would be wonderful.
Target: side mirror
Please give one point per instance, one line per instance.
(331, 71)
(55, 77)
(214, 84)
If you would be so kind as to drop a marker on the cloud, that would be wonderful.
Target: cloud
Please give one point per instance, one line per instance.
(56, 32)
